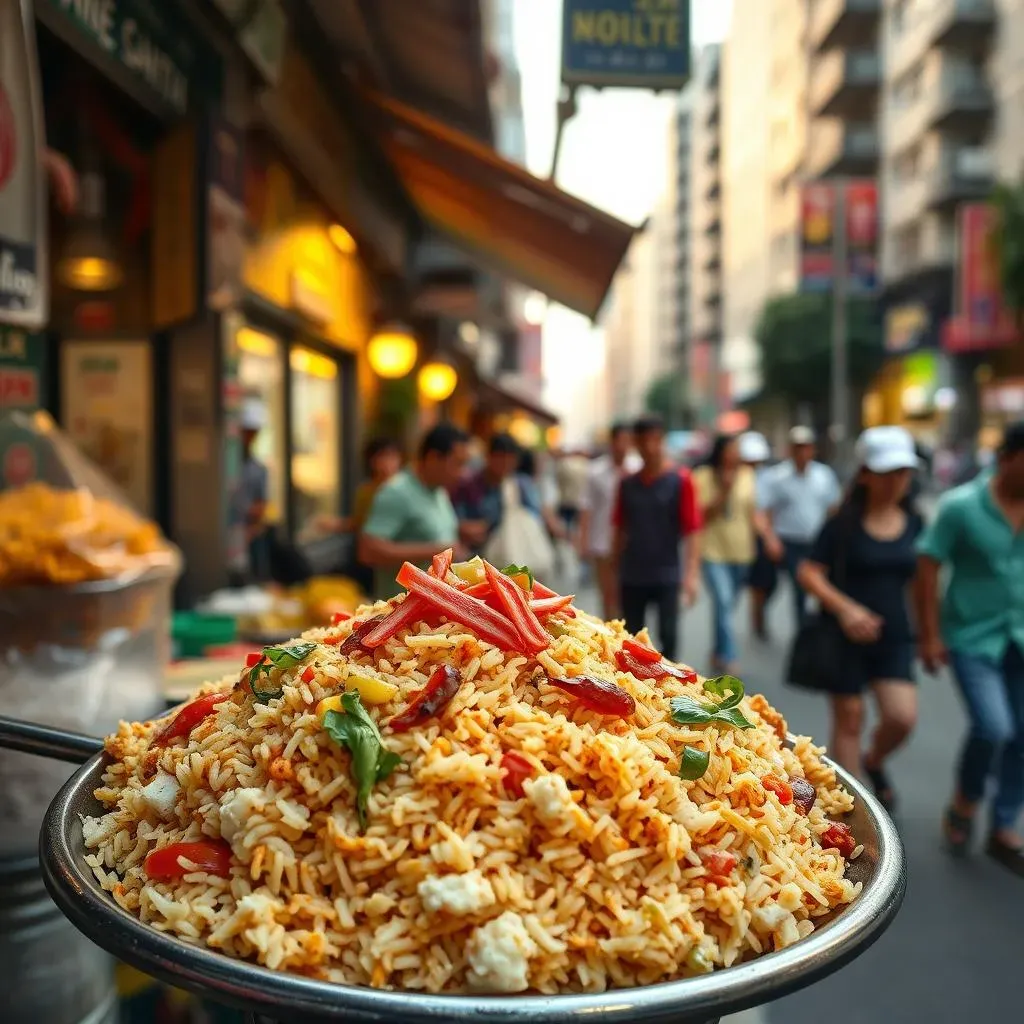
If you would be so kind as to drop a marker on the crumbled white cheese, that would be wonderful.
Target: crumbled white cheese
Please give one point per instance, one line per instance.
(456, 894)
(769, 917)
(499, 954)
(162, 794)
(550, 797)
(236, 808)
(791, 896)
(98, 830)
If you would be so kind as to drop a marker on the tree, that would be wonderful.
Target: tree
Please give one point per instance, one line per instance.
(666, 398)
(1008, 242)
(794, 334)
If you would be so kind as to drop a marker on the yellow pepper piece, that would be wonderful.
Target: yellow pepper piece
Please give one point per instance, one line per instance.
(371, 690)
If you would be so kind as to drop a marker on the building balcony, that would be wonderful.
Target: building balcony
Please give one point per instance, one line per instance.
(969, 174)
(842, 147)
(714, 152)
(836, 23)
(713, 262)
(713, 228)
(714, 111)
(845, 83)
(961, 102)
(714, 189)
(968, 26)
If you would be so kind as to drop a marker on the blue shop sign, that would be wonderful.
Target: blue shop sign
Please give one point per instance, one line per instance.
(153, 43)
(641, 43)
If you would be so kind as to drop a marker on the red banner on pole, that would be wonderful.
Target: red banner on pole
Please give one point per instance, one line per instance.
(817, 236)
(817, 225)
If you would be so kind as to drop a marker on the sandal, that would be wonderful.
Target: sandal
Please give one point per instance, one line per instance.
(882, 786)
(1011, 857)
(958, 830)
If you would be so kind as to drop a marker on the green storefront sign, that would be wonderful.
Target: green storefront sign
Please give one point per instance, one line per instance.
(22, 367)
(155, 44)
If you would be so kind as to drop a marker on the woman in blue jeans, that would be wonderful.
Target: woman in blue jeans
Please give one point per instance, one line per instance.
(726, 492)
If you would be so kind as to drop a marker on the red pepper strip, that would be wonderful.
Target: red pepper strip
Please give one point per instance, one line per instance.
(412, 609)
(353, 643)
(516, 606)
(539, 590)
(430, 701)
(441, 563)
(517, 770)
(628, 663)
(839, 837)
(648, 655)
(210, 855)
(488, 624)
(189, 717)
(550, 605)
(598, 694)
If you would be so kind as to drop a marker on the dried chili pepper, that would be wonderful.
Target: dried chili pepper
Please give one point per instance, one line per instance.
(598, 695)
(517, 770)
(353, 643)
(839, 837)
(804, 795)
(431, 700)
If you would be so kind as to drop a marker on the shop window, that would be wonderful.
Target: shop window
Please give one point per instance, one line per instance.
(260, 374)
(316, 436)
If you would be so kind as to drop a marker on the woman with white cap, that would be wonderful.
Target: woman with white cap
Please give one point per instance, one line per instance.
(859, 570)
(756, 453)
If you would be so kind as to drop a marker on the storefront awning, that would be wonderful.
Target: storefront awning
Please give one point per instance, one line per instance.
(500, 399)
(515, 224)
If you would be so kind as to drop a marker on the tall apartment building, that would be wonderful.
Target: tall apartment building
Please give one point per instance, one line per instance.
(953, 74)
(705, 249)
(681, 335)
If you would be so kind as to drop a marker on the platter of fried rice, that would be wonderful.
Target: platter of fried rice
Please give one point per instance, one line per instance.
(475, 788)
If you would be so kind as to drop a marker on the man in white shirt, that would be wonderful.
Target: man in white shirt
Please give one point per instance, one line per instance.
(796, 496)
(596, 507)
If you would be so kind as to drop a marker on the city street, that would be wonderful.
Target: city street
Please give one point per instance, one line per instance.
(953, 953)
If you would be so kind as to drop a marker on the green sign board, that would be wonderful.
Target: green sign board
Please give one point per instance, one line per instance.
(154, 43)
(22, 367)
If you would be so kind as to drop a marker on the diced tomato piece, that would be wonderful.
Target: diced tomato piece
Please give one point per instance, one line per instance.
(719, 862)
(517, 770)
(642, 653)
(431, 700)
(339, 617)
(253, 658)
(488, 624)
(839, 837)
(308, 674)
(210, 855)
(189, 717)
(782, 789)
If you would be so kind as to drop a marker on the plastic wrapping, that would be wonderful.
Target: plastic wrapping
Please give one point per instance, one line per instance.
(85, 595)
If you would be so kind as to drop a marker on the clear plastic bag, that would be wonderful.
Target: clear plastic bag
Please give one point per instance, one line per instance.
(85, 598)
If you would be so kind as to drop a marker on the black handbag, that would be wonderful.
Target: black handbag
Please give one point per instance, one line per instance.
(820, 648)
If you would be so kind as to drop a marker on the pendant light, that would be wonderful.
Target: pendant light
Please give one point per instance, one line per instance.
(392, 351)
(437, 379)
(88, 262)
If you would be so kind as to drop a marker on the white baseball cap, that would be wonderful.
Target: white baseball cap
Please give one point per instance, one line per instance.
(254, 415)
(886, 449)
(802, 435)
(754, 447)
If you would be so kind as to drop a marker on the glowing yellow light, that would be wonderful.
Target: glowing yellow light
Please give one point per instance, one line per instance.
(437, 381)
(342, 240)
(524, 430)
(90, 273)
(553, 436)
(256, 343)
(312, 364)
(392, 352)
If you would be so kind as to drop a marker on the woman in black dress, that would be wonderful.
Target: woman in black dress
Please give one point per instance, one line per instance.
(862, 564)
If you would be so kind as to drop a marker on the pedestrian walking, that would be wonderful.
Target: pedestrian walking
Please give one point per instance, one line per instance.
(248, 528)
(727, 495)
(411, 516)
(978, 534)
(656, 513)
(596, 530)
(859, 570)
(796, 498)
(571, 471)
(763, 577)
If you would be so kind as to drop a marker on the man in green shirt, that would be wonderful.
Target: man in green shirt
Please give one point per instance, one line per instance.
(411, 517)
(978, 532)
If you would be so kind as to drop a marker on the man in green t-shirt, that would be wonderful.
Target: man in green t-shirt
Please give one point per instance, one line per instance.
(412, 517)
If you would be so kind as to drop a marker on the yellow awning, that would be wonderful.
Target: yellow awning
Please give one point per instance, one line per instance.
(510, 221)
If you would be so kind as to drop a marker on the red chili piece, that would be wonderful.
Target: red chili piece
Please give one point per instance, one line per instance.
(308, 674)
(354, 642)
(642, 653)
(253, 658)
(719, 863)
(412, 609)
(804, 795)
(640, 670)
(210, 855)
(441, 563)
(839, 837)
(550, 605)
(189, 717)
(598, 694)
(339, 617)
(779, 787)
(516, 605)
(517, 770)
(431, 700)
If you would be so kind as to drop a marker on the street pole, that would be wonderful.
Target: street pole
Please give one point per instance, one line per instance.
(840, 390)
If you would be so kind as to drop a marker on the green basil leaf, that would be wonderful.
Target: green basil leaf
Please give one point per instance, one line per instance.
(728, 689)
(687, 711)
(734, 717)
(693, 764)
(357, 732)
(289, 655)
(519, 570)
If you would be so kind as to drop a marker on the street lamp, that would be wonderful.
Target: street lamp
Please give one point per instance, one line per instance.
(437, 380)
(392, 351)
